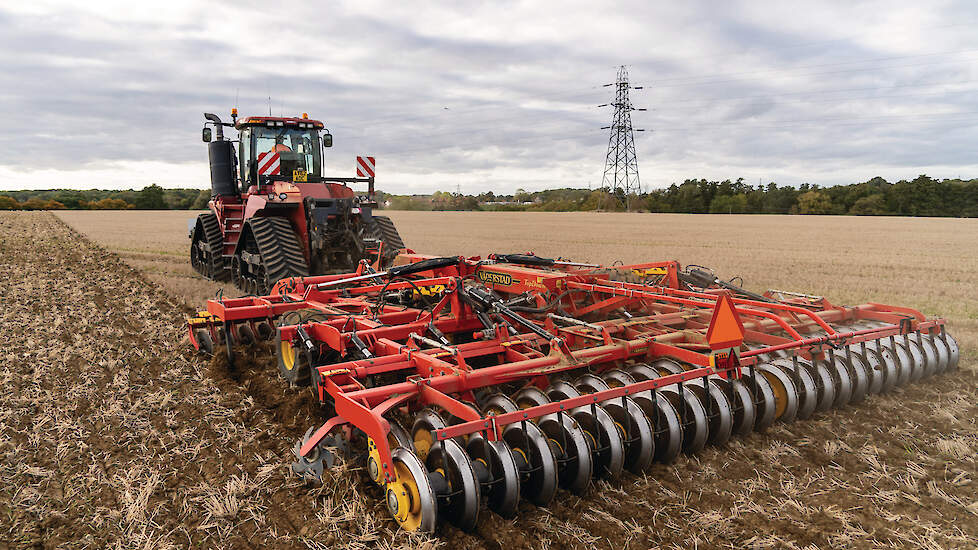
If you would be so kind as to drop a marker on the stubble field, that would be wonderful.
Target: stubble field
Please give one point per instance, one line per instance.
(113, 435)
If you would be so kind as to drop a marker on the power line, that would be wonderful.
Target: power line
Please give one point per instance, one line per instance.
(621, 163)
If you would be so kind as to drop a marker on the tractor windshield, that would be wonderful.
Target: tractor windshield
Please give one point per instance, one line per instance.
(297, 149)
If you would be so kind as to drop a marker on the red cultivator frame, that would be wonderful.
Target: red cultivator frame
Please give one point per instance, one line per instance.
(518, 375)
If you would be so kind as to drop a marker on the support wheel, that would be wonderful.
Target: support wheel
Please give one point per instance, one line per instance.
(410, 497)
(293, 363)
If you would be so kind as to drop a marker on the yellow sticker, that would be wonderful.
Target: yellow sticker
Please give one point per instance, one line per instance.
(299, 175)
(650, 271)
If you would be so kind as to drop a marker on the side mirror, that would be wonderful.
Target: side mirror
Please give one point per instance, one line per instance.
(327, 140)
(206, 135)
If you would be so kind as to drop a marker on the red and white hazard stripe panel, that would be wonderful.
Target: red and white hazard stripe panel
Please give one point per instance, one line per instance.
(268, 164)
(365, 167)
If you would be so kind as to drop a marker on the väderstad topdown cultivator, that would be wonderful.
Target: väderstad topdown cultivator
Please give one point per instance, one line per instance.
(468, 382)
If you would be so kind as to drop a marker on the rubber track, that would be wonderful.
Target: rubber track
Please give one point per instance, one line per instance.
(388, 233)
(281, 253)
(215, 239)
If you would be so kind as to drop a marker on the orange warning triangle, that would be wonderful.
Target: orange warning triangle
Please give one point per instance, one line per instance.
(726, 330)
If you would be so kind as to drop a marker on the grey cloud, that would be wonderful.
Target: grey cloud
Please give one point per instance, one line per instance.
(729, 95)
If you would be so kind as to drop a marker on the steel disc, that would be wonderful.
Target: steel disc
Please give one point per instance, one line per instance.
(891, 366)
(764, 402)
(502, 486)
(742, 405)
(530, 396)
(630, 422)
(422, 439)
(571, 450)
(604, 439)
(825, 385)
(872, 365)
(663, 417)
(858, 373)
(955, 352)
(943, 352)
(696, 431)
(804, 385)
(204, 342)
(398, 436)
(242, 334)
(929, 352)
(535, 461)
(719, 413)
(902, 359)
(459, 503)
(265, 330)
(616, 378)
(410, 497)
(665, 366)
(843, 382)
(785, 392)
(917, 364)
(499, 404)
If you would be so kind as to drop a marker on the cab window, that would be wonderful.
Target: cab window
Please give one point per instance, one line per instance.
(297, 149)
(244, 155)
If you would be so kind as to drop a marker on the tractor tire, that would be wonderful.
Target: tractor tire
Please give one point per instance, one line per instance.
(381, 227)
(279, 249)
(207, 249)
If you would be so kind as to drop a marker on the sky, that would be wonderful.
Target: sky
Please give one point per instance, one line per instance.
(481, 96)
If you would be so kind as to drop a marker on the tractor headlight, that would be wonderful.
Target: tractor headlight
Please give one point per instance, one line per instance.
(271, 196)
(355, 210)
(283, 196)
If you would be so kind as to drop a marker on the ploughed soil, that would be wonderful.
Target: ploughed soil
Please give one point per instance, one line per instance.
(113, 434)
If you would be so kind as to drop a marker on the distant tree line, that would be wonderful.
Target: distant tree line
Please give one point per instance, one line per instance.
(152, 197)
(922, 196)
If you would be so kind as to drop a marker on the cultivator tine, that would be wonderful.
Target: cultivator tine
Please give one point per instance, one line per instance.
(521, 377)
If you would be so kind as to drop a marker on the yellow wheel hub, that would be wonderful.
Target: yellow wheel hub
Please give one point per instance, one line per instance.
(288, 355)
(403, 499)
(373, 463)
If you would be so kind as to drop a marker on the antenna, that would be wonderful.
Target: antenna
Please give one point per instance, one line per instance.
(621, 164)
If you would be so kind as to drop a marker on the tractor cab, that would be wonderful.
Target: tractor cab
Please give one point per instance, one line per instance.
(274, 149)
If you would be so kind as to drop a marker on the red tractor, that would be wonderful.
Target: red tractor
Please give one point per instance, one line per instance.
(274, 215)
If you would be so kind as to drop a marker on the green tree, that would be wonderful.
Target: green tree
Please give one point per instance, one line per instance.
(814, 202)
(200, 203)
(109, 204)
(8, 203)
(729, 204)
(873, 205)
(151, 198)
